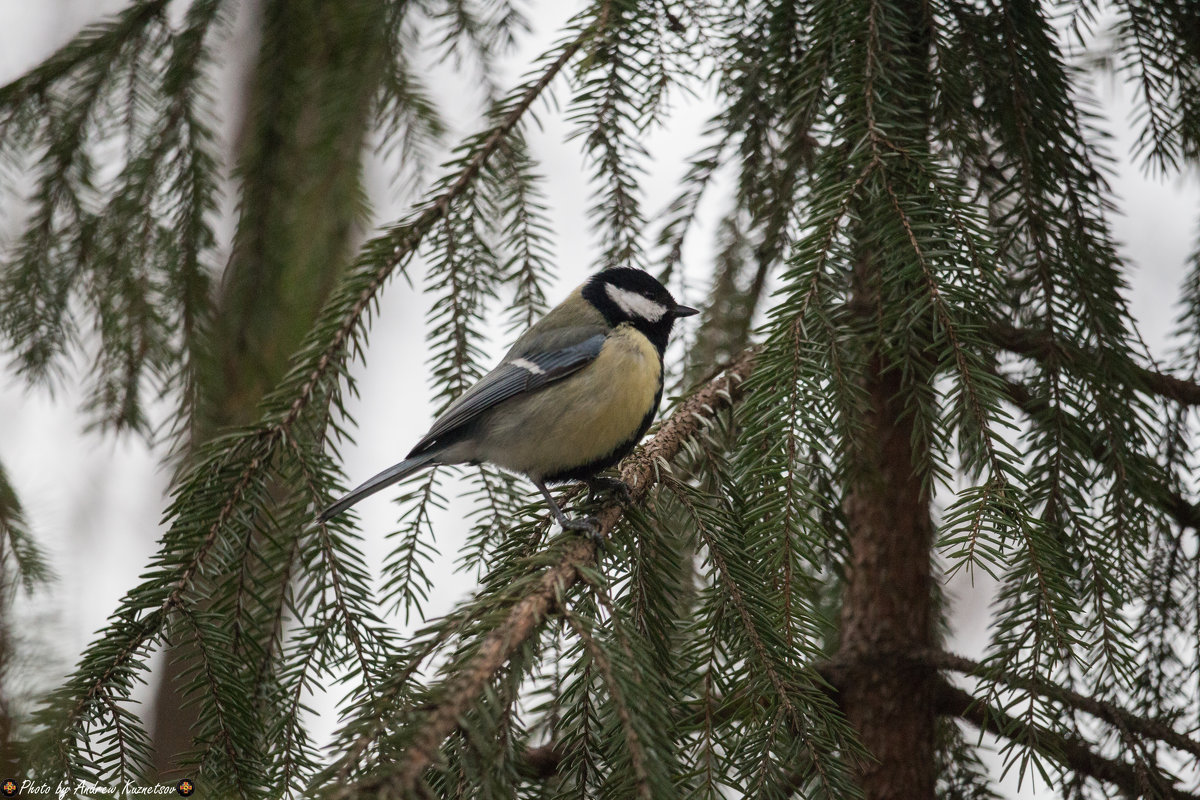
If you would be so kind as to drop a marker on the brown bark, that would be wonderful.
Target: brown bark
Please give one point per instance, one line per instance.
(1133, 780)
(887, 607)
(1041, 345)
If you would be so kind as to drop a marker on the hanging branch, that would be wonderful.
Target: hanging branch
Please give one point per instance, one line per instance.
(95, 42)
(1066, 750)
(1185, 513)
(1041, 345)
(228, 472)
(543, 762)
(409, 235)
(640, 471)
(1109, 712)
(637, 754)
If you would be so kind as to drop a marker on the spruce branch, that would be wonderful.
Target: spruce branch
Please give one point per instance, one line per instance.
(1101, 709)
(1185, 513)
(349, 619)
(636, 753)
(1156, 140)
(964, 362)
(680, 215)
(407, 236)
(94, 42)
(1004, 153)
(126, 765)
(243, 461)
(640, 472)
(751, 629)
(118, 239)
(223, 708)
(275, 636)
(1070, 752)
(150, 626)
(1043, 347)
(543, 762)
(17, 542)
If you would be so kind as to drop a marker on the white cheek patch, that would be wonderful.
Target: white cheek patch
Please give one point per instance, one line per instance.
(634, 304)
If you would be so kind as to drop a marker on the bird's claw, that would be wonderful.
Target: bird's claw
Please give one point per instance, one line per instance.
(581, 524)
(614, 485)
(588, 526)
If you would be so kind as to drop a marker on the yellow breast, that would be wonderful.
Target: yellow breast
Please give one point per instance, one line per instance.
(584, 417)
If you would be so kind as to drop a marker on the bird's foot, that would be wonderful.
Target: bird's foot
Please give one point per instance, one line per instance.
(581, 524)
(612, 485)
(588, 526)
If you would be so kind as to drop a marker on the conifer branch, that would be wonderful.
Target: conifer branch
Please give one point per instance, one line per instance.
(995, 164)
(1067, 750)
(254, 448)
(1185, 513)
(146, 629)
(1101, 709)
(1042, 346)
(542, 762)
(640, 472)
(275, 638)
(411, 234)
(751, 630)
(221, 708)
(93, 42)
(636, 753)
(962, 359)
(17, 542)
(125, 761)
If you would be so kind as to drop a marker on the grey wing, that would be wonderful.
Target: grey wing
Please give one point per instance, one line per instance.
(514, 376)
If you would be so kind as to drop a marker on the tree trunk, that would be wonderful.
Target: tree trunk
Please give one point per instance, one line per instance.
(887, 607)
(308, 119)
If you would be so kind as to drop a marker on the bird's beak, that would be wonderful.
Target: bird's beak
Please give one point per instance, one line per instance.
(683, 311)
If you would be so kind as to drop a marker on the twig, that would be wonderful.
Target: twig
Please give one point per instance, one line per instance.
(91, 42)
(636, 755)
(1185, 513)
(542, 762)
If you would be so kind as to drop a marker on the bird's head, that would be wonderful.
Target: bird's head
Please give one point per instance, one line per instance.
(626, 294)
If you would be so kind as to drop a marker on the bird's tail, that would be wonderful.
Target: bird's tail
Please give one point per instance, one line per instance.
(384, 479)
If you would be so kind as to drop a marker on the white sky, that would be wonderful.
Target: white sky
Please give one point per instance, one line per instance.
(94, 502)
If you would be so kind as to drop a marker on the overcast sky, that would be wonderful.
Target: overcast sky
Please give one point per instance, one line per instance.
(94, 502)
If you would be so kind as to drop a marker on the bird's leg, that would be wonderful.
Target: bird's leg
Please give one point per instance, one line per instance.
(583, 524)
(597, 485)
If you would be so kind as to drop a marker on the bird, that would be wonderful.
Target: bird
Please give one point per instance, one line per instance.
(571, 398)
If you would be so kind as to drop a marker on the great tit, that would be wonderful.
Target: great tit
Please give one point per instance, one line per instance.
(571, 398)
